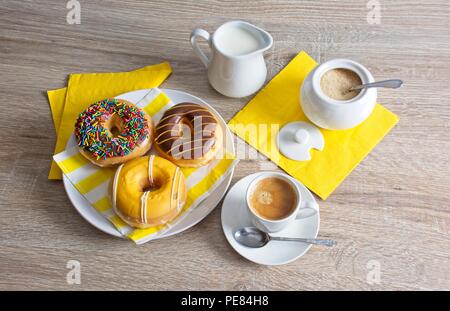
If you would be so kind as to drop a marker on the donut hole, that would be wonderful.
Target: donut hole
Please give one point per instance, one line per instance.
(115, 131)
(115, 125)
(148, 186)
(186, 129)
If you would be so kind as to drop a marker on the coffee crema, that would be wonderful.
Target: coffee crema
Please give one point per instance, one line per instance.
(273, 198)
(335, 83)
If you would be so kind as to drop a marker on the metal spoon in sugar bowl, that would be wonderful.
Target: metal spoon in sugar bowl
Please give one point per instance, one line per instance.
(391, 84)
(255, 238)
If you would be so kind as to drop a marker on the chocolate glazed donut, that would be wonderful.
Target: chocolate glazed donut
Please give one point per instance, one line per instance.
(188, 135)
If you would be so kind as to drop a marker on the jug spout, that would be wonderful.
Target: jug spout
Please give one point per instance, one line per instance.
(264, 37)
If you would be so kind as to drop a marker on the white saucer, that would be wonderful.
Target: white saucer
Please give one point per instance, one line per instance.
(235, 215)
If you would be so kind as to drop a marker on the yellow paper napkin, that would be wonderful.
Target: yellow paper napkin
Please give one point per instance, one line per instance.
(278, 104)
(84, 89)
(93, 181)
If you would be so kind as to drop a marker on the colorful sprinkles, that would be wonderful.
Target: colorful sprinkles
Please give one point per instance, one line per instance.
(92, 135)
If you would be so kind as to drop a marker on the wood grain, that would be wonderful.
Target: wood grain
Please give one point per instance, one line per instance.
(393, 208)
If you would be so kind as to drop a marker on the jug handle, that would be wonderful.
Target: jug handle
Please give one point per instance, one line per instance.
(196, 33)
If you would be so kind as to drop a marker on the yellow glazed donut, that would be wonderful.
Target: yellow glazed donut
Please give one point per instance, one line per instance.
(113, 131)
(148, 191)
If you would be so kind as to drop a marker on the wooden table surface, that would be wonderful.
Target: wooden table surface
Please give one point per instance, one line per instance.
(391, 213)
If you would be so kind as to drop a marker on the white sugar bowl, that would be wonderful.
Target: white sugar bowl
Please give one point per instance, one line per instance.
(329, 113)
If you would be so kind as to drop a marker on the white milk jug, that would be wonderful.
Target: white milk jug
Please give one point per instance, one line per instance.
(236, 66)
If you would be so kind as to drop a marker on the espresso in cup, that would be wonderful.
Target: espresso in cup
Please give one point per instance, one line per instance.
(335, 84)
(273, 198)
(274, 201)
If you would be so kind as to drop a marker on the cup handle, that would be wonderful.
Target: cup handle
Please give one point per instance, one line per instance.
(307, 210)
(196, 33)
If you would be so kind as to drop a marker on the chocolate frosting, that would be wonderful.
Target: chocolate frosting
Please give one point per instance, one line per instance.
(186, 130)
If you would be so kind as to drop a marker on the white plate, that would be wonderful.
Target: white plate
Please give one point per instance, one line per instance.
(236, 215)
(195, 216)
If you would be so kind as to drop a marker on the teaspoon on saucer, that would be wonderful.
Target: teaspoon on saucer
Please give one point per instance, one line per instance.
(392, 84)
(255, 238)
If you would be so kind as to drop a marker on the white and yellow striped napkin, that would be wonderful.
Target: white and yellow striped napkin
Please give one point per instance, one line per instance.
(93, 181)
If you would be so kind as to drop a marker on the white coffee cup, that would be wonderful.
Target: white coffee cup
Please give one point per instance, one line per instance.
(299, 212)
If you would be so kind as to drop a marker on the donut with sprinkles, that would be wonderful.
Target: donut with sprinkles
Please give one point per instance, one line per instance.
(113, 131)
